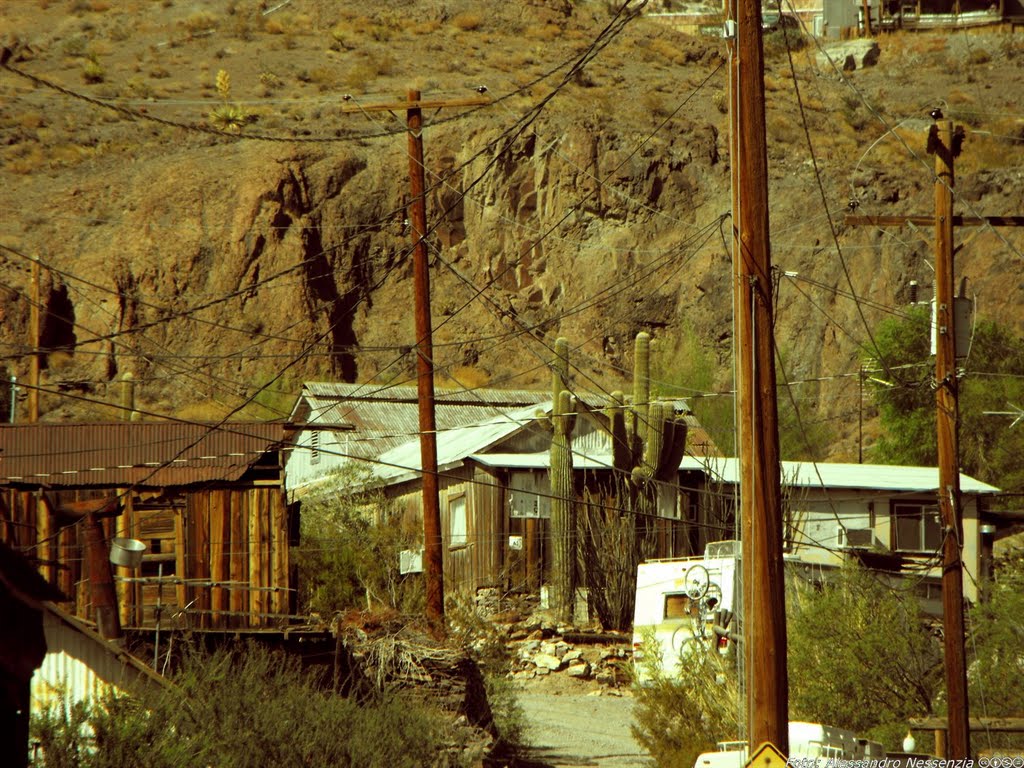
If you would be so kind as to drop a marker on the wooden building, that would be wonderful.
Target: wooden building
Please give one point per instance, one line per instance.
(494, 485)
(495, 492)
(208, 501)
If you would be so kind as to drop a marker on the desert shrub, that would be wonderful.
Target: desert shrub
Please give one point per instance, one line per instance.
(92, 71)
(199, 22)
(833, 630)
(468, 21)
(677, 718)
(351, 538)
(779, 42)
(240, 708)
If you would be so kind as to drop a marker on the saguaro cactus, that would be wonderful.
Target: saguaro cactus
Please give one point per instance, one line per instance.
(649, 439)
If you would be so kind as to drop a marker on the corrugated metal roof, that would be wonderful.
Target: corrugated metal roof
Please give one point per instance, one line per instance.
(800, 474)
(385, 417)
(456, 444)
(807, 474)
(80, 665)
(154, 454)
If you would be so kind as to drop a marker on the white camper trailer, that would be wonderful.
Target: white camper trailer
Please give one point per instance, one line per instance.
(681, 602)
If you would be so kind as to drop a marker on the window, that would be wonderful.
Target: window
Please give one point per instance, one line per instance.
(916, 527)
(457, 520)
(678, 605)
(314, 447)
(529, 495)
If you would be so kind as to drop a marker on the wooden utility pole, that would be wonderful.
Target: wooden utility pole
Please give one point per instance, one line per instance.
(944, 143)
(433, 549)
(36, 335)
(763, 610)
(945, 148)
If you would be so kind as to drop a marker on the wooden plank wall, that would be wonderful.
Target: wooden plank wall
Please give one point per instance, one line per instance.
(224, 555)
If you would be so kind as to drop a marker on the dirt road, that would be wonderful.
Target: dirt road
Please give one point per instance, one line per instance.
(577, 728)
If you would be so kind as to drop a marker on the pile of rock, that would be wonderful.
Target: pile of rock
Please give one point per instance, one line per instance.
(543, 650)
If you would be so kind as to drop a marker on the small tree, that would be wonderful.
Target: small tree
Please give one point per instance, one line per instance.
(990, 380)
(679, 717)
(996, 650)
(861, 656)
(349, 549)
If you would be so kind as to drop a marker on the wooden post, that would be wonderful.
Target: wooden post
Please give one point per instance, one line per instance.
(182, 559)
(199, 551)
(239, 558)
(255, 558)
(763, 606)
(432, 539)
(220, 533)
(37, 332)
(279, 551)
(47, 549)
(126, 590)
(947, 409)
(101, 580)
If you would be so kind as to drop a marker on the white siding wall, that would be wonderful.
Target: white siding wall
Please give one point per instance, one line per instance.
(75, 666)
(818, 515)
(306, 465)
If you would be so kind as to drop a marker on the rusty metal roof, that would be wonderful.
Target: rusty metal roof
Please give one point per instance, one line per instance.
(386, 417)
(149, 454)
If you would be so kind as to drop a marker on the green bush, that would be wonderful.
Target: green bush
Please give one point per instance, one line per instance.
(833, 630)
(349, 554)
(245, 709)
(678, 718)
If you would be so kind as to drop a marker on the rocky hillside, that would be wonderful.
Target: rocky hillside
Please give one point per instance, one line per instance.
(219, 210)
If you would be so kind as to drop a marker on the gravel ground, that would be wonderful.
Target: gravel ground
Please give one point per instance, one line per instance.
(578, 728)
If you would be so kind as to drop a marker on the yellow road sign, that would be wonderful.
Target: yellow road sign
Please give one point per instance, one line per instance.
(767, 756)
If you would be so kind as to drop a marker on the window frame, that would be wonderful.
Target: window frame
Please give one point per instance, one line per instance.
(463, 540)
(925, 515)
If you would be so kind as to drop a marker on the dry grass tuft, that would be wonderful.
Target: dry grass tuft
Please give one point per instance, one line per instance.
(468, 22)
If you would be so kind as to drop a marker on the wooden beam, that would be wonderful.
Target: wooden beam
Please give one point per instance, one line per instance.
(98, 508)
(1003, 724)
(402, 106)
(220, 534)
(929, 221)
(238, 599)
(279, 552)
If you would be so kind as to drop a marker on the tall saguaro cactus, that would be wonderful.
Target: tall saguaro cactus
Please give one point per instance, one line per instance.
(648, 440)
(562, 587)
(649, 437)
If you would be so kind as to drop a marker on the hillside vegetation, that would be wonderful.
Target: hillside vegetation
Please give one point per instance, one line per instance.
(219, 211)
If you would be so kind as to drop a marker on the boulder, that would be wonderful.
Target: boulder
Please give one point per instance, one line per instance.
(849, 55)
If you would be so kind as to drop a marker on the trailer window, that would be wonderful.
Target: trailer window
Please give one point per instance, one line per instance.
(679, 606)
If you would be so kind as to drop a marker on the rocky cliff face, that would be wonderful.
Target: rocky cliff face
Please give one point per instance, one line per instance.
(298, 261)
(220, 271)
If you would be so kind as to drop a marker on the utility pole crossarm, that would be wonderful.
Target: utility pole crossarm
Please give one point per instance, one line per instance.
(401, 106)
(927, 221)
